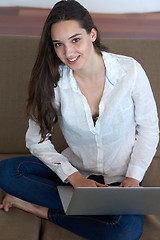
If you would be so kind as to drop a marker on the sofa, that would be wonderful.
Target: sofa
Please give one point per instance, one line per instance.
(17, 56)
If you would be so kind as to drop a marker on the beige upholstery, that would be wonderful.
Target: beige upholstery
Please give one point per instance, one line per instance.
(17, 56)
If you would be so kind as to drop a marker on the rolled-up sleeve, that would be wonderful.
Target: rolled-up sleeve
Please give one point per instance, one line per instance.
(147, 129)
(46, 152)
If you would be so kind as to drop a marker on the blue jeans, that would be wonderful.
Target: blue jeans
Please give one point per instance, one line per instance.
(29, 179)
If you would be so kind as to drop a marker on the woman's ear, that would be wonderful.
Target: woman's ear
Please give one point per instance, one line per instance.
(93, 34)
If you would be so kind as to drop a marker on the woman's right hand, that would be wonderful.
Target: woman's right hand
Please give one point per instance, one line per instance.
(77, 180)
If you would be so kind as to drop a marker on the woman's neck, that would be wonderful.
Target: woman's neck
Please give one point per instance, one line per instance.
(92, 72)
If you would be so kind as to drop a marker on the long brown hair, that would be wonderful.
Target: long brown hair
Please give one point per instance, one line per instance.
(45, 74)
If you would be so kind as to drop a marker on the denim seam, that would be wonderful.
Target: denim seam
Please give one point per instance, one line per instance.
(115, 223)
(31, 180)
(97, 220)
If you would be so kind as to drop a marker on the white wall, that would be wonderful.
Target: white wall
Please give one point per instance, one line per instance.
(99, 6)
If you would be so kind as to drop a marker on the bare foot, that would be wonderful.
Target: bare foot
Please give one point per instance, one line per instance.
(11, 201)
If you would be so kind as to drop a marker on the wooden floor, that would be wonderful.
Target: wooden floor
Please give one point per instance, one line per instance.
(29, 21)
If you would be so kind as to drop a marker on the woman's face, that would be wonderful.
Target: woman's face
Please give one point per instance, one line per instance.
(72, 44)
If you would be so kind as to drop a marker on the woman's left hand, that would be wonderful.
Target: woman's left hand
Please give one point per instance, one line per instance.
(130, 182)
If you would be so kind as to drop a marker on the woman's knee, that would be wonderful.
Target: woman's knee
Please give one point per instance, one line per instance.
(131, 227)
(9, 170)
(128, 227)
(5, 167)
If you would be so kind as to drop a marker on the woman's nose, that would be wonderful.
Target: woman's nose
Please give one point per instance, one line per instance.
(68, 51)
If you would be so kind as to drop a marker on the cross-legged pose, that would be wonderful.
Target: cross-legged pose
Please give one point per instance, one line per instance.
(107, 113)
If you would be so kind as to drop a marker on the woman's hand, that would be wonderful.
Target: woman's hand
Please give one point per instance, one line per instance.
(130, 182)
(77, 180)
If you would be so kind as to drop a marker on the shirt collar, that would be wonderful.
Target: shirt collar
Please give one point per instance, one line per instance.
(114, 69)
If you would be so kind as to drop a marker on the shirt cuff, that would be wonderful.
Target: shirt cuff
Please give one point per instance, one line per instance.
(135, 172)
(65, 170)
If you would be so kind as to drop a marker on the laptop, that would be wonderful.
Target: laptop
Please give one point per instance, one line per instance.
(110, 200)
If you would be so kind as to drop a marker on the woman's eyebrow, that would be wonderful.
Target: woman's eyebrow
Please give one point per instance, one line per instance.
(75, 35)
(55, 41)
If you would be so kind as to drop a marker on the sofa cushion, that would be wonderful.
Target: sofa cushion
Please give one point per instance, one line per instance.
(16, 61)
(17, 224)
(7, 156)
(151, 227)
(50, 231)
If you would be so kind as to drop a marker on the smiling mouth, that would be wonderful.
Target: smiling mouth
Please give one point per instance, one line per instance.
(73, 60)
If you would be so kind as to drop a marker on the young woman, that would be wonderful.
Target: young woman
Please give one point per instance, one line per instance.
(107, 113)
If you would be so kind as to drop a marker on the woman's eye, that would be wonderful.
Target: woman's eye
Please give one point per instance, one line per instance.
(57, 44)
(76, 40)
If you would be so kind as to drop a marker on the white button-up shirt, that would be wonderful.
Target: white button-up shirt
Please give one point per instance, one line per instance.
(124, 139)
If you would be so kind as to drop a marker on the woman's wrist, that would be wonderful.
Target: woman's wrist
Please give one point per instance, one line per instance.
(130, 182)
(74, 178)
